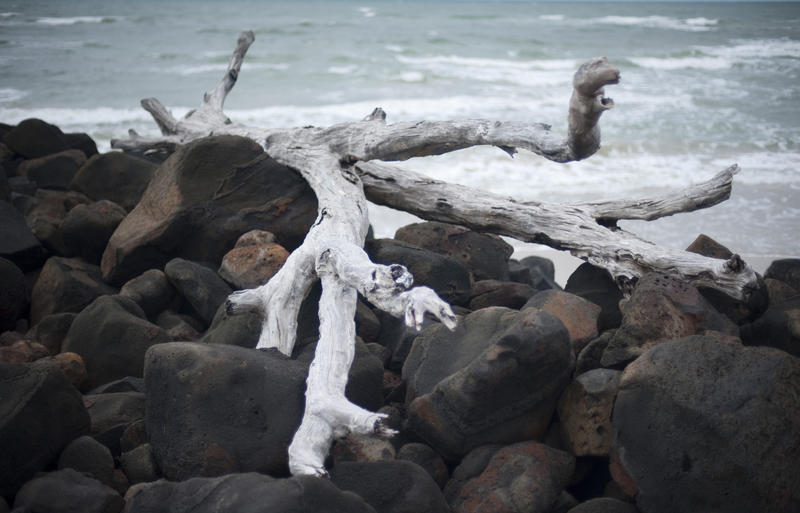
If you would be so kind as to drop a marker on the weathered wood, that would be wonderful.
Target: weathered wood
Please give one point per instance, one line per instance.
(339, 161)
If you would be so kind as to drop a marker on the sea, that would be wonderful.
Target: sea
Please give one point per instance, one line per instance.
(704, 86)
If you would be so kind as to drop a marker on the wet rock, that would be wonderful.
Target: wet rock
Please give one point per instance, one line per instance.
(51, 330)
(111, 414)
(88, 456)
(494, 379)
(112, 336)
(114, 176)
(87, 228)
(202, 288)
(66, 285)
(391, 486)
(33, 138)
(786, 270)
(661, 308)
(524, 477)
(244, 493)
(151, 290)
(53, 171)
(595, 284)
(201, 199)
(13, 294)
(253, 260)
(499, 293)
(579, 315)
(17, 242)
(41, 412)
(424, 456)
(140, 464)
(65, 491)
(604, 505)
(447, 276)
(485, 256)
(584, 410)
(695, 415)
(779, 327)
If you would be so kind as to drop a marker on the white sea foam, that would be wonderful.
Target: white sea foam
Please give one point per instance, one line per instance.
(8, 94)
(412, 76)
(544, 72)
(660, 22)
(395, 48)
(220, 67)
(551, 17)
(8, 14)
(367, 12)
(756, 49)
(77, 19)
(342, 70)
(674, 63)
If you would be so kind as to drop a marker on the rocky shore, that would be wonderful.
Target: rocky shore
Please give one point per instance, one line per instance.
(126, 386)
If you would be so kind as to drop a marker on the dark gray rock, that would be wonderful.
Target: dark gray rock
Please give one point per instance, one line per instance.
(541, 272)
(485, 256)
(87, 228)
(17, 242)
(5, 187)
(701, 424)
(126, 384)
(201, 286)
(111, 415)
(779, 327)
(151, 290)
(41, 412)
(112, 336)
(114, 176)
(524, 477)
(51, 330)
(53, 171)
(88, 456)
(240, 330)
(778, 291)
(391, 486)
(201, 199)
(180, 327)
(13, 294)
(430, 461)
(140, 464)
(67, 491)
(500, 293)
(596, 285)
(604, 505)
(494, 379)
(66, 285)
(446, 275)
(786, 270)
(590, 356)
(133, 436)
(368, 327)
(661, 308)
(33, 138)
(81, 141)
(244, 493)
(470, 467)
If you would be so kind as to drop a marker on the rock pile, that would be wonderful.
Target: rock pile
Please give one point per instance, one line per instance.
(125, 385)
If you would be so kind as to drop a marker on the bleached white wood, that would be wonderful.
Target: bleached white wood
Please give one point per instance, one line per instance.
(338, 161)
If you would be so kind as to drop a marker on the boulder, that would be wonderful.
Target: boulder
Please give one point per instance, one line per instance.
(126, 384)
(5, 187)
(500, 293)
(140, 464)
(87, 228)
(41, 412)
(70, 365)
(253, 261)
(778, 291)
(362, 448)
(21, 350)
(485, 256)
(67, 491)
(53, 171)
(494, 379)
(111, 415)
(541, 272)
(604, 505)
(579, 315)
(202, 288)
(88, 456)
(114, 176)
(201, 199)
(524, 477)
(51, 330)
(13, 294)
(661, 308)
(81, 141)
(112, 336)
(786, 270)
(240, 330)
(446, 275)
(391, 486)
(66, 285)
(151, 290)
(180, 327)
(595, 284)
(584, 410)
(590, 356)
(471, 466)
(704, 424)
(368, 327)
(779, 327)
(244, 493)
(46, 213)
(430, 461)
(33, 138)
(17, 242)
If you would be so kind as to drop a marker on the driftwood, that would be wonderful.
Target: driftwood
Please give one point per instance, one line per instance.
(344, 165)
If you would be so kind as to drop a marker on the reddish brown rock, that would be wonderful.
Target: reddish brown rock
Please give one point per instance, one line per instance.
(253, 261)
(525, 477)
(584, 410)
(578, 315)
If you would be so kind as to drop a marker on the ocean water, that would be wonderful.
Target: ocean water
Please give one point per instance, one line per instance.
(704, 85)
